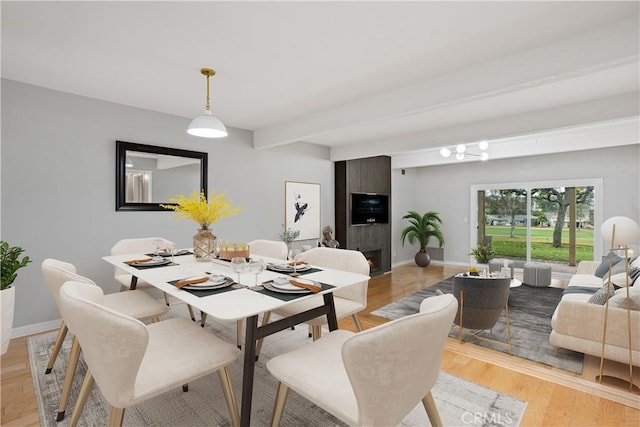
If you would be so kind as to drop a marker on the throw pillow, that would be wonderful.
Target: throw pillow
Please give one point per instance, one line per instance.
(619, 300)
(618, 267)
(619, 280)
(602, 295)
(603, 268)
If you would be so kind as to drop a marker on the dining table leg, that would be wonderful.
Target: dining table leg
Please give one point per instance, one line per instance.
(134, 283)
(332, 319)
(250, 338)
(253, 333)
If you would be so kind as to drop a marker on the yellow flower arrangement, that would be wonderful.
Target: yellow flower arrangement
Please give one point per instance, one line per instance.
(205, 212)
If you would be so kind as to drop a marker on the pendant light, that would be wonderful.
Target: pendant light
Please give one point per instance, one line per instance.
(207, 126)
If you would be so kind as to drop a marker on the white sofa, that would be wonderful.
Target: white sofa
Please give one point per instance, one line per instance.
(578, 325)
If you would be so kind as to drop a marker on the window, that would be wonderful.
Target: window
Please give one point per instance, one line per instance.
(553, 222)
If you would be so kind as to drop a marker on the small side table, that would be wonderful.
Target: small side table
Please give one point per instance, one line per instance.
(496, 265)
(536, 274)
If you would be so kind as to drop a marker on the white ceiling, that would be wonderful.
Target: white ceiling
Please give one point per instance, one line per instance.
(363, 78)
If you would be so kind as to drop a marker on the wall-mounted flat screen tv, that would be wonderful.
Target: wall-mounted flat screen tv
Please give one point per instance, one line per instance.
(367, 209)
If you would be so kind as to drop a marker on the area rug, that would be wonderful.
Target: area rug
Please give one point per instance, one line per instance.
(530, 311)
(459, 402)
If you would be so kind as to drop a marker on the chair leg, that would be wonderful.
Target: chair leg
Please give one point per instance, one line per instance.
(432, 410)
(87, 383)
(229, 396)
(316, 332)
(265, 319)
(166, 299)
(506, 315)
(461, 314)
(116, 416)
(203, 318)
(356, 321)
(72, 363)
(310, 331)
(123, 288)
(281, 399)
(62, 333)
(193, 316)
(239, 336)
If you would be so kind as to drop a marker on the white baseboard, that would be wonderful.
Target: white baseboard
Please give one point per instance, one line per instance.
(36, 328)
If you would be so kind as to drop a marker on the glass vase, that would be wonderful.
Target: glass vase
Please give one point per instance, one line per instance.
(204, 245)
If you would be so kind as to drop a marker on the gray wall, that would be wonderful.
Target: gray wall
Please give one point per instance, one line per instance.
(446, 189)
(58, 184)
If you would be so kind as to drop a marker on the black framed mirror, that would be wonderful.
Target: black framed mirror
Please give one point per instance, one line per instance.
(148, 175)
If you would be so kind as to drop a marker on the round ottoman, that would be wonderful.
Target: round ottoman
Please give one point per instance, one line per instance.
(536, 274)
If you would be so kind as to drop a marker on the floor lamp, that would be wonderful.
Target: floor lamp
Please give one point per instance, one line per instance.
(621, 232)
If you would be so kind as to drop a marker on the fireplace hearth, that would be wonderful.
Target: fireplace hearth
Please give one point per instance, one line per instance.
(374, 258)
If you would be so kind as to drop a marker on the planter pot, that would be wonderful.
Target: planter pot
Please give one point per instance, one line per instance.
(422, 259)
(7, 304)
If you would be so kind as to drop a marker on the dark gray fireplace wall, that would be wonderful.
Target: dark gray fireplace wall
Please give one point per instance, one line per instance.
(369, 175)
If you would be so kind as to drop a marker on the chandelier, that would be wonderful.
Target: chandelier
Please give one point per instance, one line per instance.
(462, 152)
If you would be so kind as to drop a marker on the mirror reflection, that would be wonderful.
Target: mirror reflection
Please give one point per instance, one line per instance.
(154, 178)
(148, 176)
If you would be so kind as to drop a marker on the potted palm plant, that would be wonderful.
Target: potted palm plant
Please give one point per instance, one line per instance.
(421, 229)
(10, 265)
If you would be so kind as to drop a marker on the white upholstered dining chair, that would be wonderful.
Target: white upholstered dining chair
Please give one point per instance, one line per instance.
(268, 248)
(139, 245)
(348, 302)
(137, 304)
(132, 362)
(371, 378)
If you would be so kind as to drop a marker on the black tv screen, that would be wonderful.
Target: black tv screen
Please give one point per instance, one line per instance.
(369, 209)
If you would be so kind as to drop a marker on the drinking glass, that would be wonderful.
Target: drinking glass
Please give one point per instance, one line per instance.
(238, 265)
(172, 251)
(256, 266)
(157, 244)
(294, 255)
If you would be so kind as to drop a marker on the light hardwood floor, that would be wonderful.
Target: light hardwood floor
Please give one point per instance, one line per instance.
(555, 397)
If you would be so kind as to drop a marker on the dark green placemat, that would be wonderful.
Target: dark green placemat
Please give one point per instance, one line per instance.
(146, 267)
(301, 273)
(291, 297)
(168, 255)
(205, 292)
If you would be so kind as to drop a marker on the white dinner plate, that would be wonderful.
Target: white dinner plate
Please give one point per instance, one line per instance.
(285, 268)
(151, 263)
(283, 284)
(219, 283)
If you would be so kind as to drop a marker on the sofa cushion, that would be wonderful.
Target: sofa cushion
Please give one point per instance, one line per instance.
(607, 261)
(619, 300)
(602, 295)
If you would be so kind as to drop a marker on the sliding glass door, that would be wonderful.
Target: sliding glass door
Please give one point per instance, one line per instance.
(551, 223)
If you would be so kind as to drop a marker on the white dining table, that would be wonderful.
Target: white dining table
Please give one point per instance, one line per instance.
(244, 303)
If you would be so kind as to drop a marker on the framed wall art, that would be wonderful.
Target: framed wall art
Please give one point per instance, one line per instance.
(302, 208)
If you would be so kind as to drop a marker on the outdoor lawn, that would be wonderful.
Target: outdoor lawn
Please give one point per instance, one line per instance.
(541, 245)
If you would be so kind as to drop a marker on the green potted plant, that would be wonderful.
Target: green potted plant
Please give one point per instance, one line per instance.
(421, 229)
(483, 252)
(10, 265)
